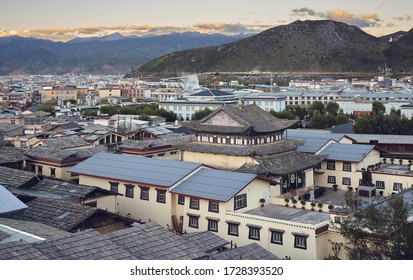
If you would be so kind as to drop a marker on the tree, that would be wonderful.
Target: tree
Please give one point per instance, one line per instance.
(110, 110)
(332, 108)
(379, 231)
(316, 107)
(201, 114)
(47, 107)
(377, 107)
(341, 118)
(283, 114)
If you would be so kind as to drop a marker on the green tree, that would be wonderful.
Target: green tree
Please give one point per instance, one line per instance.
(341, 118)
(47, 107)
(332, 108)
(89, 113)
(285, 114)
(316, 107)
(380, 231)
(110, 110)
(377, 107)
(201, 114)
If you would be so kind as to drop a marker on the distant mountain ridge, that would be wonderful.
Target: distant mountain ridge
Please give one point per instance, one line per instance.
(301, 46)
(109, 54)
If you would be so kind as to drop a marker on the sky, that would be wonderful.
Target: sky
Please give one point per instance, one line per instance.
(63, 20)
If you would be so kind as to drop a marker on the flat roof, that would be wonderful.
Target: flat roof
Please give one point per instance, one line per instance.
(290, 214)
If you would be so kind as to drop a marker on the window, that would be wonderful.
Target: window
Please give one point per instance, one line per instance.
(52, 172)
(213, 225)
(346, 181)
(161, 196)
(300, 242)
(380, 185)
(331, 179)
(277, 237)
(240, 201)
(129, 190)
(194, 203)
(193, 221)
(254, 233)
(40, 170)
(181, 199)
(23, 144)
(233, 229)
(397, 187)
(144, 193)
(213, 206)
(331, 165)
(33, 168)
(347, 166)
(113, 186)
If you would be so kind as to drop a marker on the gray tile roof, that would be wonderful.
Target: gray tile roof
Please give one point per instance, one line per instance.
(66, 142)
(10, 155)
(252, 251)
(121, 167)
(206, 241)
(60, 154)
(8, 202)
(347, 152)
(214, 184)
(281, 164)
(60, 214)
(171, 140)
(381, 138)
(241, 150)
(37, 229)
(16, 178)
(213, 93)
(20, 251)
(251, 117)
(150, 241)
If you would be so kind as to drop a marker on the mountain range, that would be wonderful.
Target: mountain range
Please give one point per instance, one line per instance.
(109, 54)
(321, 46)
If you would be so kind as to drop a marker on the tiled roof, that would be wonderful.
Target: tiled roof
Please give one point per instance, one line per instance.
(20, 251)
(60, 214)
(65, 142)
(34, 228)
(251, 117)
(252, 251)
(16, 178)
(10, 155)
(57, 153)
(150, 241)
(172, 139)
(241, 150)
(206, 241)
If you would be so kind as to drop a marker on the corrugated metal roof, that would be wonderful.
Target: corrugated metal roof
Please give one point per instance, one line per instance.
(347, 152)
(135, 169)
(214, 184)
(313, 141)
(8, 202)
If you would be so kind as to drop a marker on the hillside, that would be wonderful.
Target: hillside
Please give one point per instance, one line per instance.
(100, 55)
(302, 46)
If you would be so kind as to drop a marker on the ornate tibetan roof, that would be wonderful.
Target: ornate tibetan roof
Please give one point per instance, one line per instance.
(239, 119)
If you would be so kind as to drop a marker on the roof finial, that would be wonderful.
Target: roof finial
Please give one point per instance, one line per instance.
(239, 102)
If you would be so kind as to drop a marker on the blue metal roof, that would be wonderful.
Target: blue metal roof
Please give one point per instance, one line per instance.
(314, 141)
(135, 169)
(214, 184)
(8, 202)
(347, 152)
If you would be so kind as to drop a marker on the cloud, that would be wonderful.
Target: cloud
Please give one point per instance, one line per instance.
(390, 24)
(231, 27)
(361, 20)
(403, 18)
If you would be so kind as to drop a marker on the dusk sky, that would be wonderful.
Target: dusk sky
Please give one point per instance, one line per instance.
(63, 20)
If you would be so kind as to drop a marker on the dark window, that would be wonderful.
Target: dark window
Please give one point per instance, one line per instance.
(213, 206)
(331, 165)
(113, 186)
(331, 179)
(240, 201)
(52, 172)
(40, 170)
(346, 181)
(193, 221)
(300, 242)
(254, 233)
(181, 199)
(397, 186)
(380, 185)
(144, 193)
(194, 203)
(213, 225)
(277, 237)
(129, 190)
(347, 166)
(233, 229)
(33, 168)
(161, 196)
